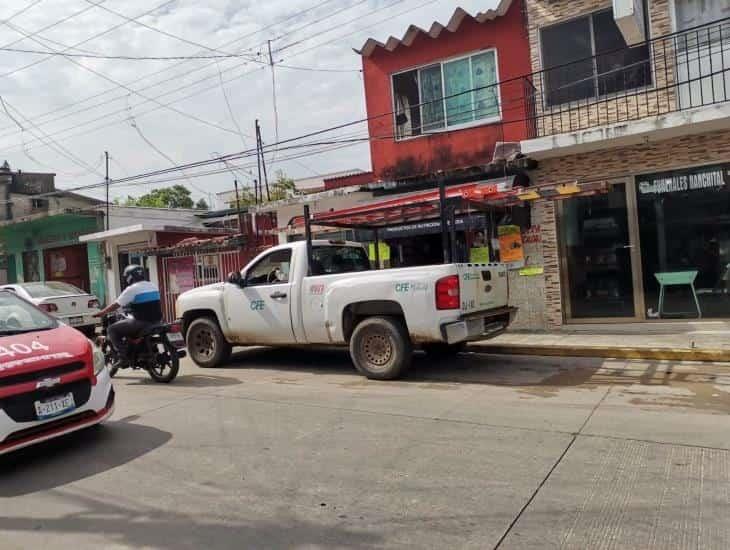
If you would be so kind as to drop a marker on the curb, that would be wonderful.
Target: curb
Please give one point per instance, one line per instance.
(672, 354)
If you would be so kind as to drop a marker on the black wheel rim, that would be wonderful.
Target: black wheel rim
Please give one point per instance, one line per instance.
(202, 344)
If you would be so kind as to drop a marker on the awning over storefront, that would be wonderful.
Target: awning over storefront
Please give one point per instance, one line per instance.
(466, 198)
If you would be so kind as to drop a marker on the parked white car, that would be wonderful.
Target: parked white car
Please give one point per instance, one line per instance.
(65, 302)
(284, 297)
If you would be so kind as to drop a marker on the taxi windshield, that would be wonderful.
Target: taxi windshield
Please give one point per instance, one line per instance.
(18, 316)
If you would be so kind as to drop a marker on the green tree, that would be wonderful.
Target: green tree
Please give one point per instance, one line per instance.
(202, 205)
(176, 196)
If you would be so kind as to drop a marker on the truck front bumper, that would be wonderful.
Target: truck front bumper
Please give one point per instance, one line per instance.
(481, 326)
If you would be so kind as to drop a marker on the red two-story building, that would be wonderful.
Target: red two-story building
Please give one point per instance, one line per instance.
(440, 99)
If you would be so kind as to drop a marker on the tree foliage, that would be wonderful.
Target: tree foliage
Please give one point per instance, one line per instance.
(176, 196)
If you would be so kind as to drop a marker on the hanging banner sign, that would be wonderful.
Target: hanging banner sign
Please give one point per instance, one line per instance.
(510, 244)
(707, 178)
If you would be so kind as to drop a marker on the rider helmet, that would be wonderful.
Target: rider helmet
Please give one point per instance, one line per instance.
(133, 274)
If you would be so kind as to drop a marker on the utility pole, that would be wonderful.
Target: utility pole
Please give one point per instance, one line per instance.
(257, 188)
(106, 182)
(262, 162)
(238, 207)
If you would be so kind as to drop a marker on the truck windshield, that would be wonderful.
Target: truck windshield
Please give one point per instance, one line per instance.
(17, 316)
(332, 260)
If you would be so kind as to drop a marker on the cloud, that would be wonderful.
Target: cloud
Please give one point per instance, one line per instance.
(307, 101)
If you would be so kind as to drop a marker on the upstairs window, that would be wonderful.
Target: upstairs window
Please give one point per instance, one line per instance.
(588, 57)
(444, 95)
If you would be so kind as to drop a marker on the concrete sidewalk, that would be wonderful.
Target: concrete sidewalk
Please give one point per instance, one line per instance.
(696, 341)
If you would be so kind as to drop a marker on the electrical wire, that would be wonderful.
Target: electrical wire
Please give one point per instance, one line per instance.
(94, 96)
(109, 79)
(159, 31)
(202, 80)
(295, 30)
(21, 11)
(126, 57)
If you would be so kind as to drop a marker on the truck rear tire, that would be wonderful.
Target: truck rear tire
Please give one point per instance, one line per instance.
(206, 344)
(380, 348)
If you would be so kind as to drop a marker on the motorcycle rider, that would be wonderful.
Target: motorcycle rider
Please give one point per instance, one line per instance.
(141, 298)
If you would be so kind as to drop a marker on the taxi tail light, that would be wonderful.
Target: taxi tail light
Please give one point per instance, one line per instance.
(93, 304)
(50, 308)
(448, 294)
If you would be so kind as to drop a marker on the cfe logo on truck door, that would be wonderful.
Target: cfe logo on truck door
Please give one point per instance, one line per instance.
(257, 305)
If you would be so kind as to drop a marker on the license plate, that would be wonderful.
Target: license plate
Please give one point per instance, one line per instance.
(75, 321)
(175, 338)
(54, 407)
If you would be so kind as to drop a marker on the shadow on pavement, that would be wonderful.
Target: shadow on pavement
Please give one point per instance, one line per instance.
(465, 368)
(186, 381)
(150, 527)
(76, 456)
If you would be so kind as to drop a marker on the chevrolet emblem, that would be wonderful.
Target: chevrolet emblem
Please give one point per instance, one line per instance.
(47, 383)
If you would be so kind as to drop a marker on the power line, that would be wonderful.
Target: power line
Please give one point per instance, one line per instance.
(206, 79)
(109, 79)
(318, 69)
(125, 57)
(94, 96)
(97, 35)
(160, 105)
(21, 11)
(159, 31)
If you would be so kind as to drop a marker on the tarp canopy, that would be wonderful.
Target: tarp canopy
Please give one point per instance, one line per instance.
(424, 205)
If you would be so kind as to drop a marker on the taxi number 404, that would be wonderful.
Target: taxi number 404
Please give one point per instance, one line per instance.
(21, 349)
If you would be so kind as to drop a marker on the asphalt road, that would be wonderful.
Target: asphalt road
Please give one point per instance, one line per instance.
(293, 449)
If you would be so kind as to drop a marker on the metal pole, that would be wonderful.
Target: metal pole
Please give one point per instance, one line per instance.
(377, 248)
(452, 233)
(258, 195)
(308, 237)
(238, 207)
(444, 225)
(106, 183)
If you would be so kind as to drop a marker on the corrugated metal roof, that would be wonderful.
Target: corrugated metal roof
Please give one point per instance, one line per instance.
(436, 28)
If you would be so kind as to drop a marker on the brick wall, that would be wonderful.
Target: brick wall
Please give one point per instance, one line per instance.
(658, 98)
(624, 162)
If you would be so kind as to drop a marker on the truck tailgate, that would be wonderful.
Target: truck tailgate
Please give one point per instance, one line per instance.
(482, 286)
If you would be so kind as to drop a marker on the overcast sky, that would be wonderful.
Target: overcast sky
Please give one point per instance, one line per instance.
(73, 110)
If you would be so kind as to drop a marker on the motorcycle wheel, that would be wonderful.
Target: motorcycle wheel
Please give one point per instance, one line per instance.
(166, 365)
(109, 356)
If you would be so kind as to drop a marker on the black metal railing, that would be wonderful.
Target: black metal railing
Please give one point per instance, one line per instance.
(670, 73)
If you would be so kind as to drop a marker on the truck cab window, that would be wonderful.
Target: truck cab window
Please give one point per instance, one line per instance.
(333, 260)
(272, 269)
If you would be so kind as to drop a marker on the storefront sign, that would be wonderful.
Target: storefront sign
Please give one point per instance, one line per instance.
(429, 227)
(698, 179)
(510, 244)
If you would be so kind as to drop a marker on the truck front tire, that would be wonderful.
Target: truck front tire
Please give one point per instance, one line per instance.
(380, 348)
(206, 344)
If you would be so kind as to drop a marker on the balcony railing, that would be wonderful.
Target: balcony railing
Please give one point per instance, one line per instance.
(675, 72)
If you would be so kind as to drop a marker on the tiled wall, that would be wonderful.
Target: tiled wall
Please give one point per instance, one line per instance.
(540, 297)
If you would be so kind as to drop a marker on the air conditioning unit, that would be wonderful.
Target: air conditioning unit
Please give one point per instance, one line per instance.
(629, 16)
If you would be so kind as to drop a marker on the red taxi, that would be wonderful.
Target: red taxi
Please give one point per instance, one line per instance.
(53, 380)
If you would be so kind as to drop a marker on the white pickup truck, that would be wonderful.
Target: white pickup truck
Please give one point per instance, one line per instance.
(284, 298)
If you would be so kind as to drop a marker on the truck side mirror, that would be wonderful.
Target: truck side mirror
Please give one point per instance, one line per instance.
(234, 277)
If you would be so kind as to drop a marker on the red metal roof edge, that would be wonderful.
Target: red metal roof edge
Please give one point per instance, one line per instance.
(436, 28)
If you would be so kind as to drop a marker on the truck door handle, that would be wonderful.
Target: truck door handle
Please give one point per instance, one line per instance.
(278, 295)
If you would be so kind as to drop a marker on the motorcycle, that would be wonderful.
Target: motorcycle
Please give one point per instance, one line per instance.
(152, 350)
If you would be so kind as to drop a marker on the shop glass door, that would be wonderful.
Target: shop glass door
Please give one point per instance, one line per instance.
(684, 221)
(596, 256)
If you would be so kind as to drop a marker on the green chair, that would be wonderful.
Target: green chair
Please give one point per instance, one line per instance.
(677, 278)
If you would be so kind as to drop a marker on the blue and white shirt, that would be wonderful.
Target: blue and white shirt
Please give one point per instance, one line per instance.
(143, 300)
